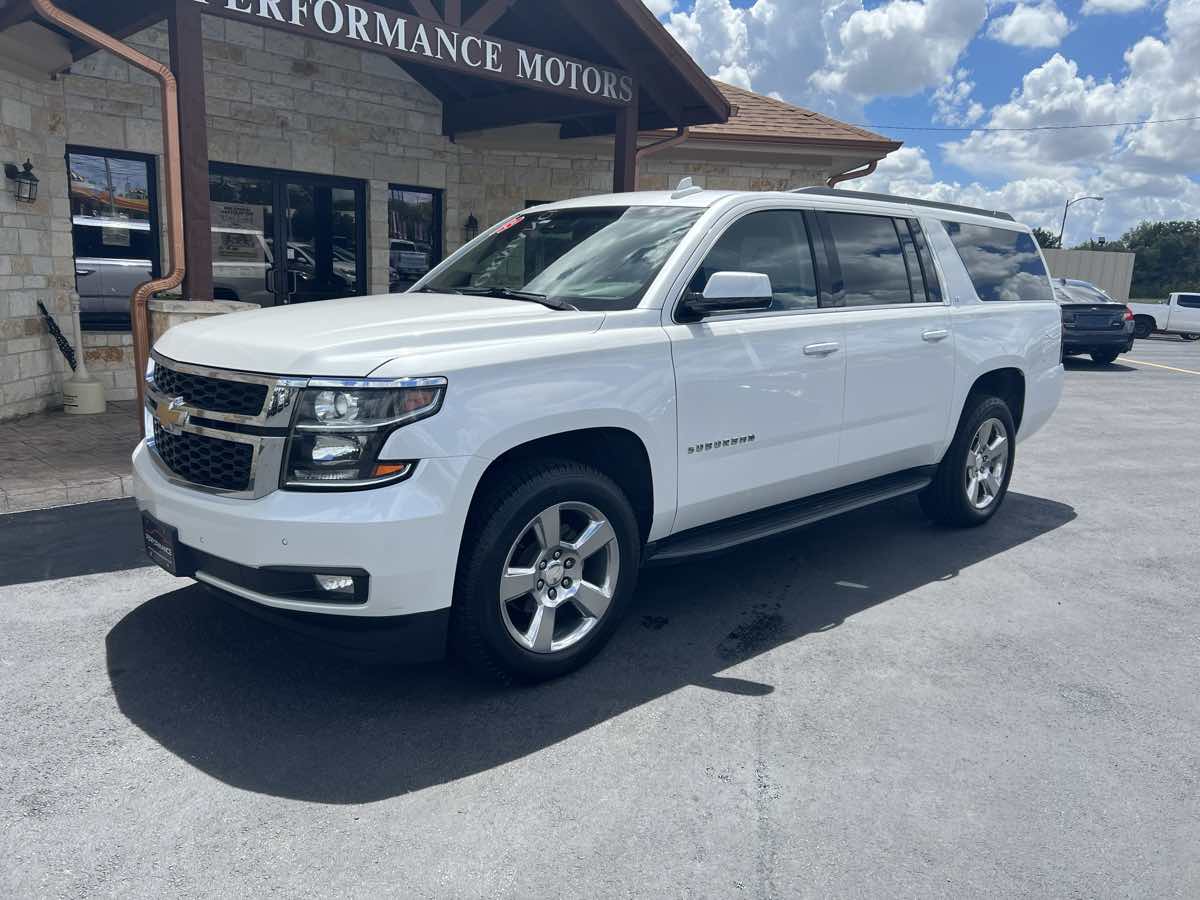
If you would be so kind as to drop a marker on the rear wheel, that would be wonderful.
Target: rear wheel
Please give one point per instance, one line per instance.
(1104, 357)
(1143, 327)
(545, 573)
(972, 479)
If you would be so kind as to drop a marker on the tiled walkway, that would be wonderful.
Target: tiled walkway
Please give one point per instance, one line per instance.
(54, 459)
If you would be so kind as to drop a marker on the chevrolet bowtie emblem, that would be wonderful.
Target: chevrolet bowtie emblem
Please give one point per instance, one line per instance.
(173, 416)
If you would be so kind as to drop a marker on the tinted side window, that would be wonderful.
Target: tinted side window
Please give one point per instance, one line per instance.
(1189, 301)
(773, 243)
(874, 271)
(1003, 264)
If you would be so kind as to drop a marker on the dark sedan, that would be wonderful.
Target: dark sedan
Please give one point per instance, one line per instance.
(1093, 322)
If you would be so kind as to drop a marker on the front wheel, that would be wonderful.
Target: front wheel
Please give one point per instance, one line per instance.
(1190, 337)
(972, 480)
(545, 573)
(1104, 357)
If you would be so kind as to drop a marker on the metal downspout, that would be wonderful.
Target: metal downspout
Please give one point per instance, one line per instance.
(866, 170)
(681, 135)
(138, 312)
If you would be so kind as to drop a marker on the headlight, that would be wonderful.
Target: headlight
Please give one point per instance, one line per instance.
(341, 428)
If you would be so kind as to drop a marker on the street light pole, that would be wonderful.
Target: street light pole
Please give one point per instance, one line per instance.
(1066, 209)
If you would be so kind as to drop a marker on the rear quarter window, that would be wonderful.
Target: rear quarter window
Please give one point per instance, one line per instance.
(1003, 264)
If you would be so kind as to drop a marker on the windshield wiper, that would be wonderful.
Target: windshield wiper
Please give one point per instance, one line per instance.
(504, 293)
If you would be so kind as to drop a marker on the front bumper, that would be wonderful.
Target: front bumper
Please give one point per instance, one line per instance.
(404, 537)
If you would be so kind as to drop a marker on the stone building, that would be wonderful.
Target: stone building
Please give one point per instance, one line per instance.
(368, 167)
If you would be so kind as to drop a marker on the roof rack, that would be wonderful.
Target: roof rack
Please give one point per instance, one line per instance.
(911, 201)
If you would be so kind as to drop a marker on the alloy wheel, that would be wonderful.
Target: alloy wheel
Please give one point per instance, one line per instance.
(987, 462)
(559, 577)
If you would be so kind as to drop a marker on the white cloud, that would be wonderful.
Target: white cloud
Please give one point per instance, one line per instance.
(660, 7)
(1160, 82)
(830, 54)
(835, 55)
(1028, 25)
(1097, 7)
(900, 47)
(1038, 200)
(953, 101)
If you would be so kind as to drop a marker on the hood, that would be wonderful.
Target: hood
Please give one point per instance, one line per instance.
(351, 338)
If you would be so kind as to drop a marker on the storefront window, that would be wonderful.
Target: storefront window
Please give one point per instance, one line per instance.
(414, 234)
(318, 221)
(114, 225)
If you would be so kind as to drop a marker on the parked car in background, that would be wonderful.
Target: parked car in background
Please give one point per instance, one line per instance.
(1179, 315)
(1093, 322)
(602, 382)
(407, 259)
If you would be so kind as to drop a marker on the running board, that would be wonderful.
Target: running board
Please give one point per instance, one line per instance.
(764, 523)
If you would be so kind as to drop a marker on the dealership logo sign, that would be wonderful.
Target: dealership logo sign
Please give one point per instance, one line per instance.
(437, 44)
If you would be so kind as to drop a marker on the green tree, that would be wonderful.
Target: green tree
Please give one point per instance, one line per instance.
(1045, 239)
(1168, 257)
(1099, 243)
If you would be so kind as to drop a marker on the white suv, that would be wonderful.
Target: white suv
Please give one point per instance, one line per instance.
(588, 387)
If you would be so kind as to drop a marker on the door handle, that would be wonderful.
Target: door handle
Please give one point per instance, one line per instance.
(825, 349)
(934, 336)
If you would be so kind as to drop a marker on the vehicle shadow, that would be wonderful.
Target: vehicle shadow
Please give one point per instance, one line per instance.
(1083, 364)
(264, 711)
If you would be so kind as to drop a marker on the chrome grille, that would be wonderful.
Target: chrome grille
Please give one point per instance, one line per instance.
(212, 394)
(219, 430)
(207, 461)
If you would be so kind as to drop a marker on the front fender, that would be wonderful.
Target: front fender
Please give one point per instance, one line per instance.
(621, 379)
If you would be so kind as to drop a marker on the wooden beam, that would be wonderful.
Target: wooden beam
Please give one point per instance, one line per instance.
(518, 107)
(121, 20)
(488, 15)
(453, 14)
(625, 150)
(425, 9)
(596, 20)
(187, 62)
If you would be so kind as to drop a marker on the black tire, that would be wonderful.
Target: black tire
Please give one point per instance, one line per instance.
(1143, 327)
(945, 500)
(479, 635)
(1190, 337)
(1104, 357)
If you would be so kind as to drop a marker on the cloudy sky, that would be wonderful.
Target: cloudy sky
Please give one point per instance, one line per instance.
(985, 64)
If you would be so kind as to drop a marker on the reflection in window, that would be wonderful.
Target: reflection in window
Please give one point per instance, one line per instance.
(772, 243)
(596, 259)
(242, 211)
(414, 234)
(114, 229)
(874, 271)
(1003, 264)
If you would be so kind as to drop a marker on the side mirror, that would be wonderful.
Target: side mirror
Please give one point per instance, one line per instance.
(729, 292)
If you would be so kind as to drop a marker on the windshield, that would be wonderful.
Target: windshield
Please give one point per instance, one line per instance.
(593, 259)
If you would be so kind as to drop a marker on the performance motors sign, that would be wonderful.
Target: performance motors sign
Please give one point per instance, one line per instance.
(427, 42)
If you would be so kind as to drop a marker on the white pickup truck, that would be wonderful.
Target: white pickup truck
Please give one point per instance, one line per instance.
(488, 460)
(1179, 315)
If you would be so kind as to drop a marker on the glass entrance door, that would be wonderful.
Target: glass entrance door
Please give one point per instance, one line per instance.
(314, 250)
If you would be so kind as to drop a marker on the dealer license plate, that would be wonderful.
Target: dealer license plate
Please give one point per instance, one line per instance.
(162, 543)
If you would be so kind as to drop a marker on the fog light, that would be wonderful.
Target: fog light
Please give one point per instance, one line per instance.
(335, 584)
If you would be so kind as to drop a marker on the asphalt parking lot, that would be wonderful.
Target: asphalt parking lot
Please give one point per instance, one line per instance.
(870, 707)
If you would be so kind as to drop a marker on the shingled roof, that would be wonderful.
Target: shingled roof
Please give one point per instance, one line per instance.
(766, 120)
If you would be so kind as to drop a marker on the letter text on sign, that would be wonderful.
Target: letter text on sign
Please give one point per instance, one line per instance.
(412, 39)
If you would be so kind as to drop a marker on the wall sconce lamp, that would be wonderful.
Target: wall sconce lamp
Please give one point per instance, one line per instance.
(470, 229)
(27, 182)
